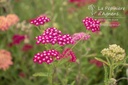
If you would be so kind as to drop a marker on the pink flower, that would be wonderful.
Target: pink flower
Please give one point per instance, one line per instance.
(80, 36)
(5, 59)
(12, 19)
(54, 36)
(114, 24)
(91, 24)
(27, 47)
(80, 3)
(3, 23)
(68, 53)
(41, 20)
(96, 62)
(46, 56)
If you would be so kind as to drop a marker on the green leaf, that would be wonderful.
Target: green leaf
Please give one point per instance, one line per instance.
(62, 62)
(40, 74)
(73, 83)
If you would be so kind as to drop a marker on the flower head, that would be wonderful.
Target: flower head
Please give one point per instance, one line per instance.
(68, 53)
(91, 24)
(54, 36)
(22, 74)
(80, 36)
(12, 19)
(47, 56)
(3, 23)
(17, 38)
(96, 62)
(114, 24)
(5, 59)
(115, 52)
(41, 20)
(27, 47)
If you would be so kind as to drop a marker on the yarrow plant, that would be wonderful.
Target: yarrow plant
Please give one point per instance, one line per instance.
(80, 36)
(114, 57)
(9, 20)
(5, 59)
(46, 56)
(41, 20)
(69, 53)
(52, 36)
(92, 24)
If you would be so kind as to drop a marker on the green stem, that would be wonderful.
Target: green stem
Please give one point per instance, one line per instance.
(110, 72)
(53, 7)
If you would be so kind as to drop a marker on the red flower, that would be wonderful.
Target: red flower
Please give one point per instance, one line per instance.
(114, 24)
(96, 62)
(27, 47)
(17, 39)
(21, 74)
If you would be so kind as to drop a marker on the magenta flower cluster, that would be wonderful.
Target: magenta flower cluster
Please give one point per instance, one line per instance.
(40, 20)
(46, 56)
(91, 24)
(80, 36)
(54, 36)
(69, 53)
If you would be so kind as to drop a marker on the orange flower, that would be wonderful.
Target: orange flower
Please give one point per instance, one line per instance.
(5, 59)
(12, 19)
(3, 23)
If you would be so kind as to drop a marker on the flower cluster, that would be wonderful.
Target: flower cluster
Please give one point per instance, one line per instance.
(69, 53)
(24, 26)
(27, 47)
(46, 56)
(80, 36)
(115, 52)
(80, 3)
(16, 39)
(91, 24)
(5, 59)
(53, 36)
(41, 20)
(96, 62)
(114, 24)
(12, 19)
(9, 20)
(3, 23)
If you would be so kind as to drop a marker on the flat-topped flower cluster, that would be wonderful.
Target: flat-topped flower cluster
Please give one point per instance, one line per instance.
(54, 36)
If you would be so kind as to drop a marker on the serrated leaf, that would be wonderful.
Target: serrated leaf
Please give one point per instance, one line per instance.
(40, 74)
